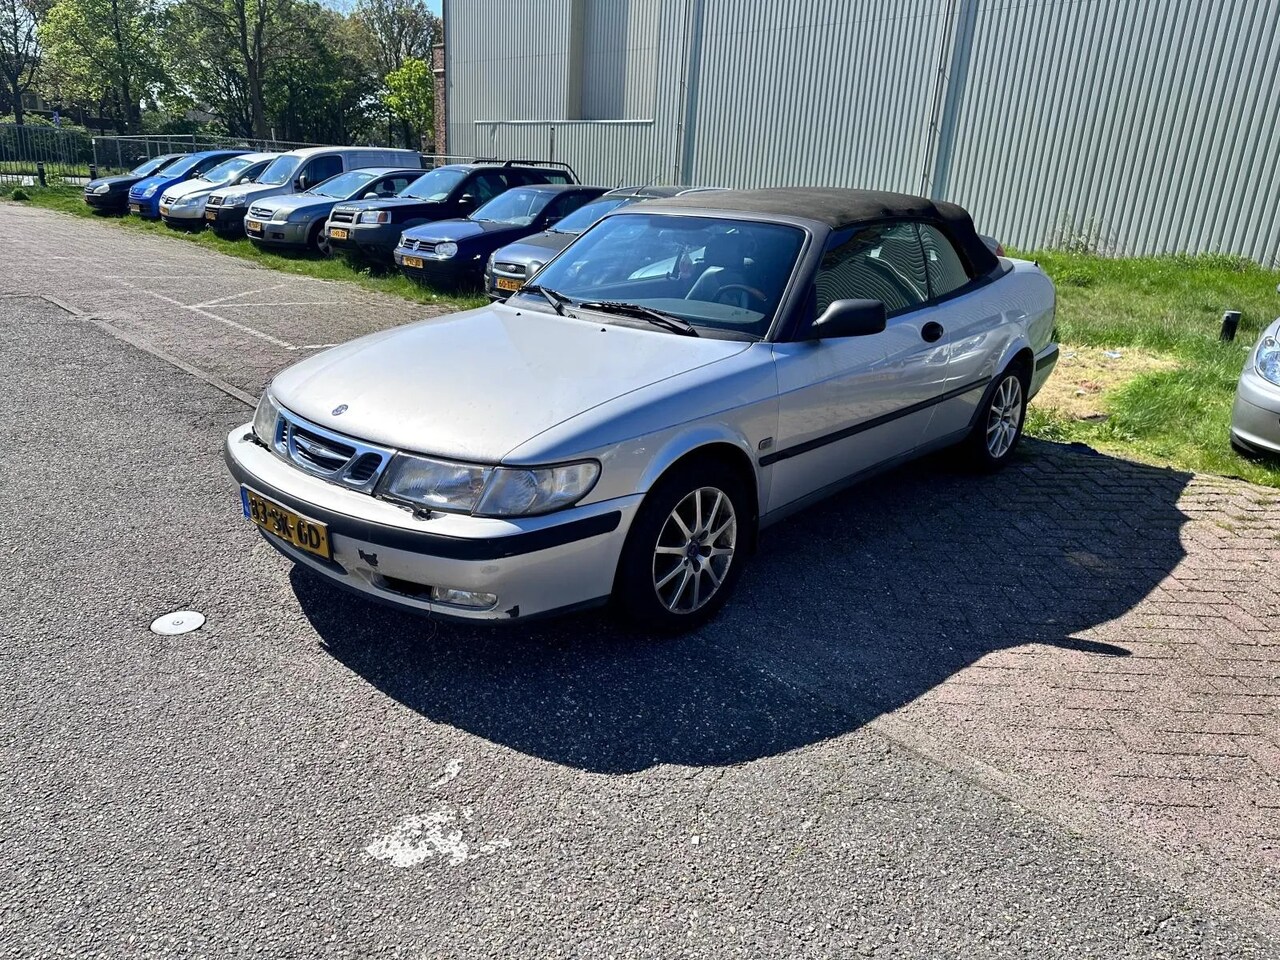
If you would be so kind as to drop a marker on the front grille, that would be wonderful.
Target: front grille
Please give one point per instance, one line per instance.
(343, 216)
(260, 213)
(168, 198)
(214, 201)
(330, 456)
(513, 268)
(421, 246)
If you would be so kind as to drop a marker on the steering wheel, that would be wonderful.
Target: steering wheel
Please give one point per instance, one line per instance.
(752, 292)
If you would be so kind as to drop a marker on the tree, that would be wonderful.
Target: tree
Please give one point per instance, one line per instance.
(19, 54)
(106, 51)
(240, 41)
(411, 96)
(400, 30)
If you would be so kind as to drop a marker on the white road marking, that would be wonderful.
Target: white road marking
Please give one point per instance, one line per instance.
(243, 328)
(242, 293)
(451, 771)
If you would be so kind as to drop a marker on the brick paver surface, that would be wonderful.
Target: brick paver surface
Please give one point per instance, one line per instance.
(1123, 628)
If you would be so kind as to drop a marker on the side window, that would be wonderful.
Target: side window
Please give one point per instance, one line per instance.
(486, 185)
(563, 205)
(209, 163)
(389, 186)
(881, 262)
(944, 267)
(319, 169)
(555, 176)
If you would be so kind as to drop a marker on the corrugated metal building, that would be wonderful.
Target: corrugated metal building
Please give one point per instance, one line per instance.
(1138, 126)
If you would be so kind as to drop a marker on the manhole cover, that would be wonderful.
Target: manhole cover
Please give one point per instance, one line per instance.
(182, 621)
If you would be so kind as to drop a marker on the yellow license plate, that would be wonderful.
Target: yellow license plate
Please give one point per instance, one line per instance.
(164, 211)
(135, 207)
(211, 214)
(414, 262)
(507, 284)
(308, 535)
(253, 226)
(337, 233)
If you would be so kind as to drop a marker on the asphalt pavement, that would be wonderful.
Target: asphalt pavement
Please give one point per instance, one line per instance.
(310, 775)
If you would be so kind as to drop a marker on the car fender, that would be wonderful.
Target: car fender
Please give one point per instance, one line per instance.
(689, 439)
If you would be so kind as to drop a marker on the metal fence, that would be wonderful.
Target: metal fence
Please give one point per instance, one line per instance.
(28, 153)
(120, 154)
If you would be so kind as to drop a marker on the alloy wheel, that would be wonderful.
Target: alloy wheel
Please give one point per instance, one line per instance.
(1005, 417)
(695, 550)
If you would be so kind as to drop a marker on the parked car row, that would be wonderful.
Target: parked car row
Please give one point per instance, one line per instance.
(441, 226)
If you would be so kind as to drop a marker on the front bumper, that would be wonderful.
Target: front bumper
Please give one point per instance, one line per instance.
(373, 240)
(535, 566)
(273, 233)
(456, 273)
(1255, 418)
(146, 207)
(185, 217)
(114, 201)
(225, 220)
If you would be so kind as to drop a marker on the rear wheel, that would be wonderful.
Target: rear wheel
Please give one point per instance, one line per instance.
(998, 428)
(686, 547)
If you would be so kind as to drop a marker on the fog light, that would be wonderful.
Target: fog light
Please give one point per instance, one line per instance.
(464, 598)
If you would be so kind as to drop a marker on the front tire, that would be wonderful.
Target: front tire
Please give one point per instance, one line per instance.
(686, 548)
(998, 428)
(320, 240)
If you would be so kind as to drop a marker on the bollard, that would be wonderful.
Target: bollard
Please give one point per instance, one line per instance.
(40, 173)
(1230, 321)
(93, 171)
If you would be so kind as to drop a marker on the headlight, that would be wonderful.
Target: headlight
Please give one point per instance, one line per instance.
(1267, 360)
(266, 419)
(233, 201)
(280, 216)
(446, 250)
(102, 188)
(515, 492)
(436, 484)
(183, 203)
(375, 216)
(151, 190)
(487, 491)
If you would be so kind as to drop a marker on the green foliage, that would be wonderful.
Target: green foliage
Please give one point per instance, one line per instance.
(19, 194)
(411, 95)
(107, 51)
(1171, 305)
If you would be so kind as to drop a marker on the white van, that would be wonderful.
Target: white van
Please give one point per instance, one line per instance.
(294, 172)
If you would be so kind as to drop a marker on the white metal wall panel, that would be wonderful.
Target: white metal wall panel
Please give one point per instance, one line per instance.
(1148, 124)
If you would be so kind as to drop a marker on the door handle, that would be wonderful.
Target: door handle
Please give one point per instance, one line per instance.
(932, 332)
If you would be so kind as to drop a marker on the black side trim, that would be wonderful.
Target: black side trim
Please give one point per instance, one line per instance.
(1049, 358)
(434, 544)
(871, 424)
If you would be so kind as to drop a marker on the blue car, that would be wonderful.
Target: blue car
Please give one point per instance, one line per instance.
(144, 196)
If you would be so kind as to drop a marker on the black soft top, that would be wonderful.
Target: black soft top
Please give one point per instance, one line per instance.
(840, 208)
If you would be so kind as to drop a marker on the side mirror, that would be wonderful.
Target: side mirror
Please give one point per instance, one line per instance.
(301, 183)
(371, 196)
(849, 318)
(466, 200)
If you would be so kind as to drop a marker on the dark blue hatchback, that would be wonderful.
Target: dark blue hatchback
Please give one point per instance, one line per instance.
(144, 196)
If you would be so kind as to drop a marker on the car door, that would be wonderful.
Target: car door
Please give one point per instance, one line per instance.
(389, 186)
(848, 404)
(972, 317)
(481, 187)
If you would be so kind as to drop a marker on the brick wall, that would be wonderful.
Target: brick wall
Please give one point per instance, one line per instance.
(441, 118)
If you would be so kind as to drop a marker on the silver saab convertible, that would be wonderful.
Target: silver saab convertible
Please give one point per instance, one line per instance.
(685, 373)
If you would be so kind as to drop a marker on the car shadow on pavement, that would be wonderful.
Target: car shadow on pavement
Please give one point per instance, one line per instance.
(850, 610)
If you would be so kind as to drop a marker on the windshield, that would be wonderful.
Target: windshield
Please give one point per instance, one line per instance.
(150, 167)
(226, 171)
(281, 170)
(586, 215)
(519, 207)
(434, 185)
(344, 185)
(709, 271)
(184, 165)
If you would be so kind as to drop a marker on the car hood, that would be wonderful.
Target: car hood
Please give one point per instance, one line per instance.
(541, 247)
(292, 203)
(120, 180)
(386, 203)
(159, 182)
(476, 385)
(252, 191)
(458, 230)
(189, 188)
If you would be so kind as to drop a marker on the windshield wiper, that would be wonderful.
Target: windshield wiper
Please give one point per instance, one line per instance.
(656, 317)
(553, 297)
